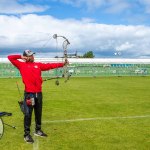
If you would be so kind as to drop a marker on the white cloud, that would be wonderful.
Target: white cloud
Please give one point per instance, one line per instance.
(33, 31)
(116, 6)
(124, 46)
(14, 7)
(111, 6)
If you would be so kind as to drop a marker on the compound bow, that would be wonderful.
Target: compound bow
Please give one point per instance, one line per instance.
(65, 74)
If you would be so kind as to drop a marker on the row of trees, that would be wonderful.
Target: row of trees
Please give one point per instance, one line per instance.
(88, 54)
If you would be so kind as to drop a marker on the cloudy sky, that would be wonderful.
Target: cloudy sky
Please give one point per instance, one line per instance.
(109, 28)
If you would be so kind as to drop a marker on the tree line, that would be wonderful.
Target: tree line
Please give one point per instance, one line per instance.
(88, 54)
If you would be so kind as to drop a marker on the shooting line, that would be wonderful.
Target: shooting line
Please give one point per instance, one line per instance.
(97, 118)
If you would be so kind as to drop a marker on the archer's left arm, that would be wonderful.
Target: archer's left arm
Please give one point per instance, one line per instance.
(48, 66)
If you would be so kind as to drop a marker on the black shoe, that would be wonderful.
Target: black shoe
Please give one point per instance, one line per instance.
(40, 133)
(28, 139)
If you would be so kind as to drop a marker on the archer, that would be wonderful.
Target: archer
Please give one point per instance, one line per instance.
(31, 77)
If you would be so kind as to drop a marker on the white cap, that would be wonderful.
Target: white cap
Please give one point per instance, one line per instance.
(28, 53)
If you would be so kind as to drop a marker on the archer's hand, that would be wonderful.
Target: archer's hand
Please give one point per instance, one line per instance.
(66, 62)
(24, 58)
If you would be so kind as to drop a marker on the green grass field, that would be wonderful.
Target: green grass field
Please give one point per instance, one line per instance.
(105, 113)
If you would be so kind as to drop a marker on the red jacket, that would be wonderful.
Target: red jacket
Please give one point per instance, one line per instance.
(31, 72)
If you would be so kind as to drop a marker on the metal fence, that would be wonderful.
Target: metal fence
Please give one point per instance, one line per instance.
(85, 70)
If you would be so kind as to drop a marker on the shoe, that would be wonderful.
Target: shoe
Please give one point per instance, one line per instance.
(28, 139)
(40, 133)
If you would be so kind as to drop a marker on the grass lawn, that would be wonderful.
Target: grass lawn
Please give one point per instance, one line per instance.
(105, 113)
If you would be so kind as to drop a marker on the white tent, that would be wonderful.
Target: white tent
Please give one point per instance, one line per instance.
(90, 60)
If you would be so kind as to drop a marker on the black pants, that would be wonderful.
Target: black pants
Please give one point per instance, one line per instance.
(28, 112)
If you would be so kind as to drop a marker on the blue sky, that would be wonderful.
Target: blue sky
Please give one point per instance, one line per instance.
(110, 28)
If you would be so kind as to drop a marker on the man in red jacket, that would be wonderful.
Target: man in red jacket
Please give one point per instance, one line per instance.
(31, 77)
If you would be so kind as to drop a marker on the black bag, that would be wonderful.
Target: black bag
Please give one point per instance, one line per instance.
(21, 105)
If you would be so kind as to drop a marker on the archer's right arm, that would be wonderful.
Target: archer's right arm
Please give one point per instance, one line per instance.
(14, 60)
